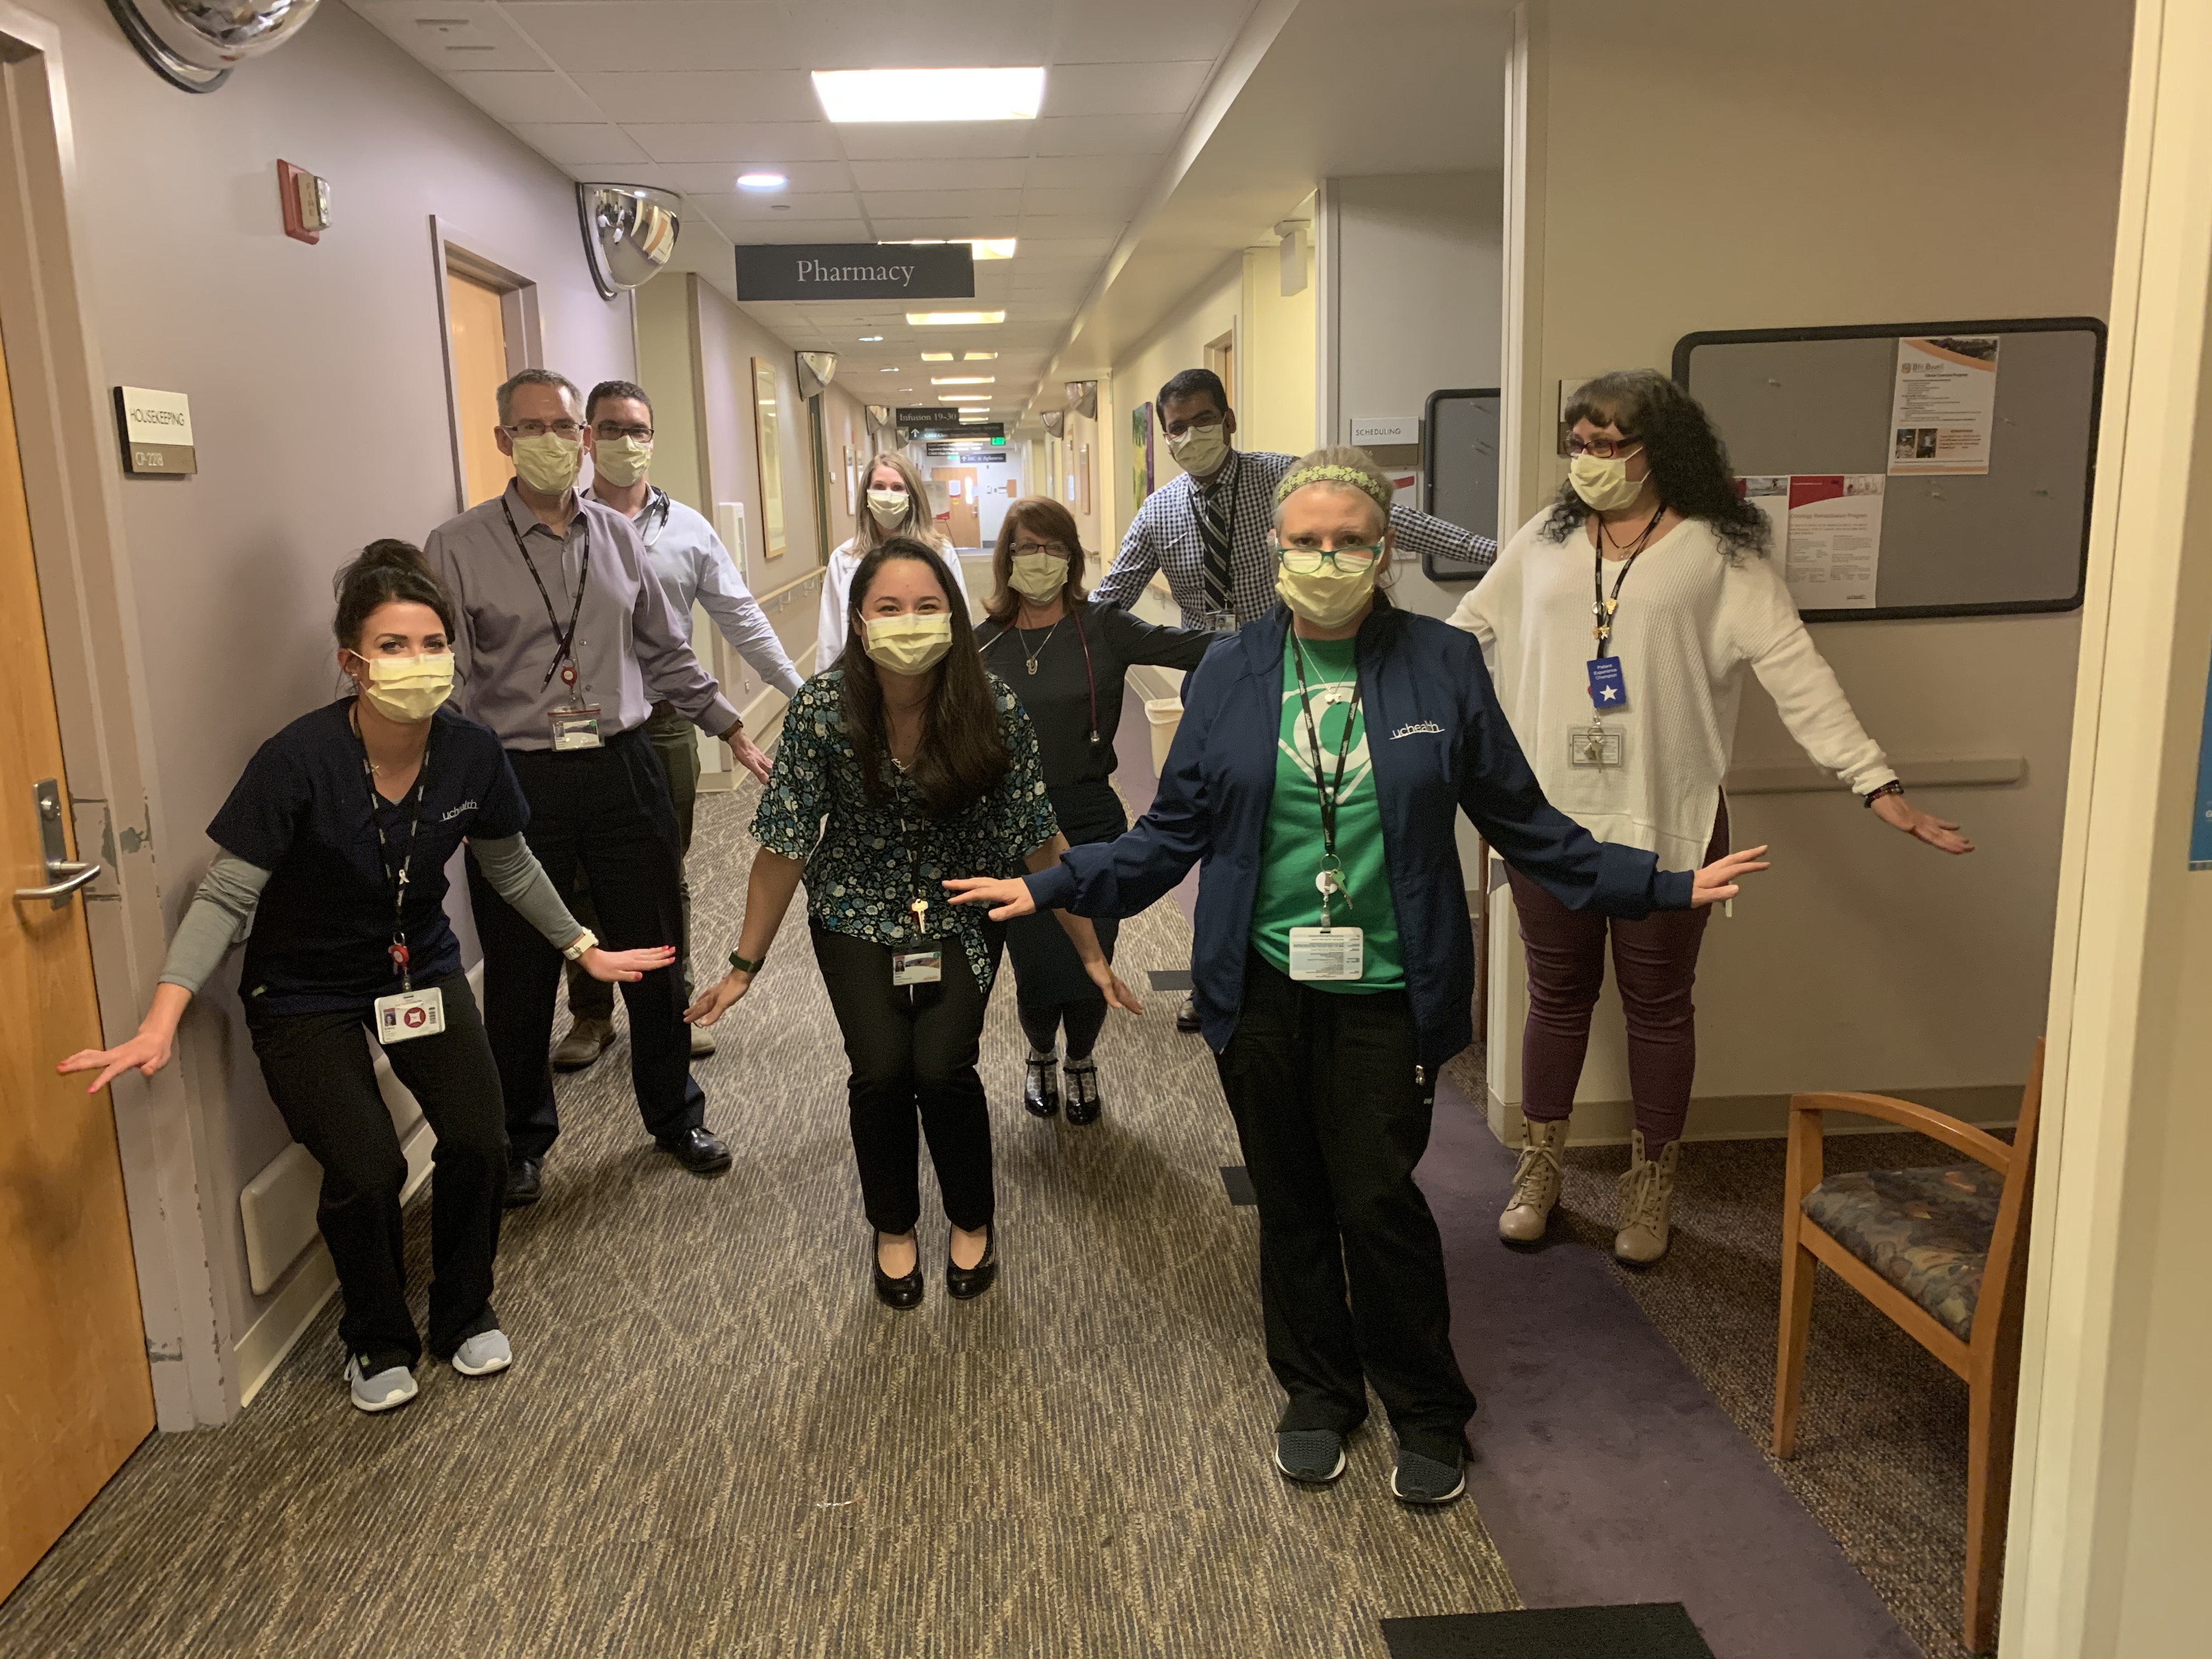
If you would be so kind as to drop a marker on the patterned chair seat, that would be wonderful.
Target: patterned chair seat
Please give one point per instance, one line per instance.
(1926, 1231)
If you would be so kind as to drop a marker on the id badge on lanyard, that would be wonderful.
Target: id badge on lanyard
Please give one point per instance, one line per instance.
(576, 726)
(407, 1015)
(1328, 951)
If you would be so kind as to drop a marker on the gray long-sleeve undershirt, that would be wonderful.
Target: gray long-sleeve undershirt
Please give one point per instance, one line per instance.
(221, 914)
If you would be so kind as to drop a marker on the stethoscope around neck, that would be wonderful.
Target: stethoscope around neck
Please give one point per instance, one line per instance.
(1090, 678)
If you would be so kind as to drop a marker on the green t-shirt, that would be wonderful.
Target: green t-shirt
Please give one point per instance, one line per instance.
(1290, 847)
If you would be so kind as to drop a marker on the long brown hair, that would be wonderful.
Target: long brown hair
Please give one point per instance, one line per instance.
(961, 756)
(1048, 521)
(920, 523)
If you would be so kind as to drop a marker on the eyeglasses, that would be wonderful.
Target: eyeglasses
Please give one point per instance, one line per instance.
(1207, 417)
(1057, 550)
(1351, 561)
(567, 429)
(1604, 448)
(614, 433)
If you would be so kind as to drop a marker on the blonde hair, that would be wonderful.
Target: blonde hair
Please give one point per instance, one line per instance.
(920, 523)
(1339, 467)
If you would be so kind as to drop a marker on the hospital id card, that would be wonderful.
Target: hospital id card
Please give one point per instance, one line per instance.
(409, 1014)
(1597, 745)
(576, 728)
(1327, 952)
(917, 967)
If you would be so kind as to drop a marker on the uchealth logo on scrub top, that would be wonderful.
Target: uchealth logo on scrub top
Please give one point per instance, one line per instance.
(1332, 707)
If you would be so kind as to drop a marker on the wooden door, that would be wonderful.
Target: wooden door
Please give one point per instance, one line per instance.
(475, 312)
(964, 526)
(75, 1394)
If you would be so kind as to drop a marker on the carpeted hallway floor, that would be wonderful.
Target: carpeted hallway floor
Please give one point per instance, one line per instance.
(715, 1442)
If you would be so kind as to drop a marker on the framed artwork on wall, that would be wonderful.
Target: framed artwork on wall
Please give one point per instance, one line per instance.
(1141, 455)
(1083, 480)
(767, 443)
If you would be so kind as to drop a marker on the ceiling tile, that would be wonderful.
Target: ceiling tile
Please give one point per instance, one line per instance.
(871, 34)
(719, 178)
(786, 229)
(702, 95)
(909, 230)
(513, 95)
(763, 142)
(652, 34)
(1106, 134)
(944, 204)
(1117, 203)
(1123, 88)
(1149, 31)
(752, 209)
(1092, 172)
(1002, 173)
(922, 141)
(450, 37)
(1073, 225)
(579, 144)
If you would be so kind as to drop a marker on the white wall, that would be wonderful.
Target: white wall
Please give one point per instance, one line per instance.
(1780, 170)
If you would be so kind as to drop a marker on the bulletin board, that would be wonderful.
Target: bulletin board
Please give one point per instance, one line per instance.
(1459, 472)
(1978, 508)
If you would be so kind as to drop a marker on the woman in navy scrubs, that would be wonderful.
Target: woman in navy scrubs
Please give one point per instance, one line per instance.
(330, 860)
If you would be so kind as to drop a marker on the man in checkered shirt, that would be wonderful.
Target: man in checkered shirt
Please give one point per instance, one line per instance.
(1212, 529)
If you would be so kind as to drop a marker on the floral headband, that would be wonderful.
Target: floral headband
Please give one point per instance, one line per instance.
(1335, 475)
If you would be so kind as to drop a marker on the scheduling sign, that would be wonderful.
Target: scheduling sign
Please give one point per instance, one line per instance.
(856, 270)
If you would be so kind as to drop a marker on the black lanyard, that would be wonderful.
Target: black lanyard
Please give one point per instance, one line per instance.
(1329, 796)
(395, 880)
(1600, 608)
(561, 639)
(1089, 677)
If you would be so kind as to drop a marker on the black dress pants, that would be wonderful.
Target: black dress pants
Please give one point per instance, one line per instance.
(607, 812)
(912, 1049)
(1333, 1114)
(322, 1076)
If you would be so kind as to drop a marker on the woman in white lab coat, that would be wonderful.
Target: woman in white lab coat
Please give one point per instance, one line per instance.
(895, 504)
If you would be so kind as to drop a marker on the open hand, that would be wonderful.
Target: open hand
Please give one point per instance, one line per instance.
(1117, 994)
(1008, 898)
(719, 998)
(748, 753)
(1895, 811)
(146, 1052)
(608, 966)
(1716, 883)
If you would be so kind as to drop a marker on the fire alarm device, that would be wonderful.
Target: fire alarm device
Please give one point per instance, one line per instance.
(306, 200)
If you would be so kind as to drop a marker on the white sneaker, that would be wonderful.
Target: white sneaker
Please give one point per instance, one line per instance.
(483, 1353)
(382, 1391)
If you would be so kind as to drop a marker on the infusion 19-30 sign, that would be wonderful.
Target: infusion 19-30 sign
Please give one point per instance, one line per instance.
(856, 270)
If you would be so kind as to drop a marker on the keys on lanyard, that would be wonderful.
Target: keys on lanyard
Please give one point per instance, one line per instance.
(1608, 689)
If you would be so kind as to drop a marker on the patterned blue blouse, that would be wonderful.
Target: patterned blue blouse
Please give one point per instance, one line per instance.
(869, 863)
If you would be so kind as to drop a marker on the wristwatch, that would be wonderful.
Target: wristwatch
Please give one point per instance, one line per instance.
(744, 966)
(576, 948)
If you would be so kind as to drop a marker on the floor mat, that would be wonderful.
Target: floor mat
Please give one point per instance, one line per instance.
(1658, 1630)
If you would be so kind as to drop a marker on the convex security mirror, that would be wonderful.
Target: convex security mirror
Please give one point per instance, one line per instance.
(193, 44)
(630, 232)
(816, 370)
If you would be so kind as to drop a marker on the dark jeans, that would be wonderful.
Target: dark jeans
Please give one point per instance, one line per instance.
(912, 1049)
(676, 740)
(1083, 1020)
(606, 812)
(1655, 963)
(322, 1076)
(1050, 988)
(1333, 1112)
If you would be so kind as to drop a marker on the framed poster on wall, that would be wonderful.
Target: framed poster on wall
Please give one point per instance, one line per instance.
(1083, 480)
(768, 446)
(1141, 455)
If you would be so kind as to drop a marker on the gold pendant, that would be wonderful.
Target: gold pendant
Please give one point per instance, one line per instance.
(1031, 665)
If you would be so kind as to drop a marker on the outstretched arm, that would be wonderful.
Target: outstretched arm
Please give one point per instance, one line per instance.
(769, 892)
(1085, 936)
(516, 875)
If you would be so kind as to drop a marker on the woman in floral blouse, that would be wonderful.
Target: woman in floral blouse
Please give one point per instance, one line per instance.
(902, 766)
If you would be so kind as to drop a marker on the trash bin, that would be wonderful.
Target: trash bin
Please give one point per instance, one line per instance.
(1166, 714)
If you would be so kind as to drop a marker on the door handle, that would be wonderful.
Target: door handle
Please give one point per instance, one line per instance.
(63, 875)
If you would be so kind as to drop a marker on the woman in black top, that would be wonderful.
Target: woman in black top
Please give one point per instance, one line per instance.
(1064, 656)
(330, 860)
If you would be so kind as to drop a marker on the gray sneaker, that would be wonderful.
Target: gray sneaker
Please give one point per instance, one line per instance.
(1420, 1478)
(382, 1391)
(483, 1353)
(1312, 1457)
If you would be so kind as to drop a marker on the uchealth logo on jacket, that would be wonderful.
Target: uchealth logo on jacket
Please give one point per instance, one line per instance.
(1332, 708)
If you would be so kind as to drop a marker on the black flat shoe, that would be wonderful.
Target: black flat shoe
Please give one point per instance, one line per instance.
(965, 1282)
(698, 1150)
(1187, 1016)
(525, 1182)
(1040, 1086)
(904, 1292)
(1084, 1105)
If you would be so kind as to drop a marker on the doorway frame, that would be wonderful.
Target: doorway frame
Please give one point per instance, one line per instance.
(452, 249)
(74, 484)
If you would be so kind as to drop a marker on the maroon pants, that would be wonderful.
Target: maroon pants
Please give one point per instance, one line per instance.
(1655, 963)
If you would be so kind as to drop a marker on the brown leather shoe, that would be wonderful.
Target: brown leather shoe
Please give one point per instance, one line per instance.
(586, 1041)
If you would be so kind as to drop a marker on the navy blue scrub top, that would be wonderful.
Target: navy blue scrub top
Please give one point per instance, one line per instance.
(322, 936)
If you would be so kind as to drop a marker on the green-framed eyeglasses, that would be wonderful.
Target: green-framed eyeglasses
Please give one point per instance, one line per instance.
(1351, 561)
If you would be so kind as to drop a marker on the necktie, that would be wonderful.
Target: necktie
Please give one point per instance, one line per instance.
(1216, 519)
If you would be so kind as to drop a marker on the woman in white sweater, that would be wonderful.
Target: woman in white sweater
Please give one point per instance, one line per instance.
(1617, 626)
(896, 504)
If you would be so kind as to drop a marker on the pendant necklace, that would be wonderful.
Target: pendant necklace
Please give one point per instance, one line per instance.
(1028, 657)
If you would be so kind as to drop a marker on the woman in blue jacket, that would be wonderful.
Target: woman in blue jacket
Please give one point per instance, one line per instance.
(1321, 758)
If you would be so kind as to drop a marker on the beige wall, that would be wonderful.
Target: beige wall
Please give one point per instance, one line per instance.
(318, 381)
(1786, 173)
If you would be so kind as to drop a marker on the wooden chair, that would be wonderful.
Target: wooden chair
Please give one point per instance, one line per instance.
(1943, 1252)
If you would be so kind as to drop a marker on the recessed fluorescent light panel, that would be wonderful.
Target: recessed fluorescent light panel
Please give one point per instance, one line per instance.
(975, 356)
(762, 181)
(869, 339)
(975, 413)
(937, 356)
(967, 398)
(953, 318)
(930, 94)
(963, 380)
(983, 247)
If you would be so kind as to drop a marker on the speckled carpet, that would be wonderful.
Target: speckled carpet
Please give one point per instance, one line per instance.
(715, 1442)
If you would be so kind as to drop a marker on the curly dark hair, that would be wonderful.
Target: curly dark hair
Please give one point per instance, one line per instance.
(1689, 463)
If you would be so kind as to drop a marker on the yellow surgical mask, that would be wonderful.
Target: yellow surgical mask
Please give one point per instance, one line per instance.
(889, 506)
(911, 644)
(1328, 596)
(1039, 577)
(1199, 449)
(408, 689)
(549, 464)
(623, 462)
(1603, 484)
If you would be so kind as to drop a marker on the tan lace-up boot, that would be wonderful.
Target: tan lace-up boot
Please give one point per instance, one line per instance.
(1647, 1203)
(1535, 1183)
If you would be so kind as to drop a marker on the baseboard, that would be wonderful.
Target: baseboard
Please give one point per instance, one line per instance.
(1765, 1117)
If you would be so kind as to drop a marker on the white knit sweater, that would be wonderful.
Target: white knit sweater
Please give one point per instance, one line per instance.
(1691, 619)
